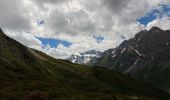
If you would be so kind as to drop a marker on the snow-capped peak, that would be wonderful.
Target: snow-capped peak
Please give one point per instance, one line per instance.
(84, 58)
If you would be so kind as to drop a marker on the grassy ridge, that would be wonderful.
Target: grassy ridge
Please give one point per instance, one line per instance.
(24, 71)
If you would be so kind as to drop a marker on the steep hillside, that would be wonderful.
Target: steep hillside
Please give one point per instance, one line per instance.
(144, 57)
(26, 73)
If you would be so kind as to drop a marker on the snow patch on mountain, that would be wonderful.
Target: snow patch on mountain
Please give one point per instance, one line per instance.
(84, 58)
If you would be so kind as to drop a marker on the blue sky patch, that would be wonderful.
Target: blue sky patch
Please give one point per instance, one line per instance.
(99, 39)
(155, 13)
(149, 17)
(165, 10)
(54, 42)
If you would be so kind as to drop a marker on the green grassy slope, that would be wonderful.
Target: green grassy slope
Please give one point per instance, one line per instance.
(24, 71)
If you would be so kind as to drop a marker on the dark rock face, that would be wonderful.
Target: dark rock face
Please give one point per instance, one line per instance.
(145, 57)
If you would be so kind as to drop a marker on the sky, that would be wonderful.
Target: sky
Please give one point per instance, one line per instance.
(63, 27)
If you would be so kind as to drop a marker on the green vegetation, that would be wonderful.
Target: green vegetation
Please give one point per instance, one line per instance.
(24, 71)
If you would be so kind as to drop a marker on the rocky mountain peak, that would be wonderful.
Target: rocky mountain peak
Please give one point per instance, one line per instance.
(155, 29)
(85, 57)
(146, 57)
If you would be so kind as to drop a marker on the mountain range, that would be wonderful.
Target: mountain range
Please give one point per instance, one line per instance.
(85, 57)
(145, 57)
(28, 74)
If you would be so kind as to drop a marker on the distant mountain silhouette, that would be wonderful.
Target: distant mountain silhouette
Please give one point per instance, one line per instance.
(145, 57)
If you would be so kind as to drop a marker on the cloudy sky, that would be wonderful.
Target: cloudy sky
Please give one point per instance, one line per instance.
(63, 27)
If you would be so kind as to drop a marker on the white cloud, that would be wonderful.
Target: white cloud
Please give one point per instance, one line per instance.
(76, 21)
(25, 38)
(163, 23)
(60, 52)
(12, 15)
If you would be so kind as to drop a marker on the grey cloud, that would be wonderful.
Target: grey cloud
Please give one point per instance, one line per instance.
(126, 11)
(112, 19)
(12, 17)
(71, 22)
(96, 17)
(92, 19)
(116, 5)
(41, 3)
